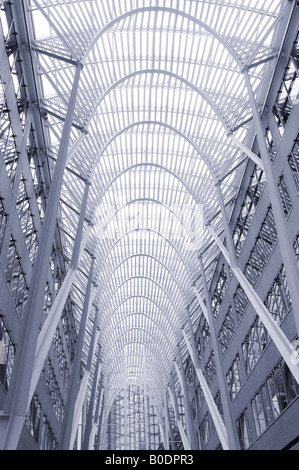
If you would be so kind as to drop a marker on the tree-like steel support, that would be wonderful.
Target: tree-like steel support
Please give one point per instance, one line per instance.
(84, 383)
(66, 430)
(280, 340)
(219, 424)
(96, 416)
(285, 244)
(17, 398)
(46, 335)
(227, 412)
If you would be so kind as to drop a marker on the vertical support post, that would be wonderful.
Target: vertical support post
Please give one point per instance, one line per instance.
(17, 398)
(185, 440)
(95, 423)
(219, 424)
(75, 373)
(83, 386)
(104, 421)
(189, 421)
(88, 426)
(285, 244)
(227, 412)
(49, 327)
(280, 340)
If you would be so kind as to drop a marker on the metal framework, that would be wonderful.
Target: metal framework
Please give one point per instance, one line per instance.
(144, 116)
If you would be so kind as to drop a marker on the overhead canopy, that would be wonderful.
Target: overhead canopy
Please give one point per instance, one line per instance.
(160, 92)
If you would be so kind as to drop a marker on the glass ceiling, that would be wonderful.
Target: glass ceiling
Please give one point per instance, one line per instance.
(160, 92)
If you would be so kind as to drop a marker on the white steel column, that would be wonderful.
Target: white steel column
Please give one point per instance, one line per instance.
(228, 419)
(17, 398)
(84, 383)
(75, 372)
(219, 424)
(285, 244)
(95, 422)
(45, 337)
(280, 340)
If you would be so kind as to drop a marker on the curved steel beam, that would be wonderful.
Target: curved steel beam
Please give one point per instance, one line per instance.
(115, 350)
(148, 279)
(126, 330)
(153, 165)
(114, 312)
(145, 256)
(172, 75)
(160, 124)
(165, 10)
(152, 231)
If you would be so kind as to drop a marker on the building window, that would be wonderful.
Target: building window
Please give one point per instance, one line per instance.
(296, 248)
(210, 369)
(15, 278)
(270, 144)
(205, 430)
(199, 396)
(3, 221)
(205, 333)
(262, 250)
(278, 300)
(293, 160)
(243, 431)
(227, 331)
(27, 220)
(218, 402)
(288, 91)
(248, 208)
(233, 378)
(219, 291)
(284, 196)
(47, 440)
(241, 302)
(36, 173)
(273, 397)
(33, 418)
(53, 390)
(254, 344)
(69, 329)
(7, 355)
(61, 357)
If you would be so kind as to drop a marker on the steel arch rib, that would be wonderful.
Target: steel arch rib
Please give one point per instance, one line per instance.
(165, 10)
(115, 350)
(148, 279)
(189, 84)
(146, 256)
(160, 124)
(159, 328)
(113, 313)
(156, 232)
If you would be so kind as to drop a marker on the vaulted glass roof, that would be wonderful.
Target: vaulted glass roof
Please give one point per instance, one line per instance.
(161, 92)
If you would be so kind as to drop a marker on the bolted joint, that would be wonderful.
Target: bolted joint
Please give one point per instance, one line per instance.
(79, 65)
